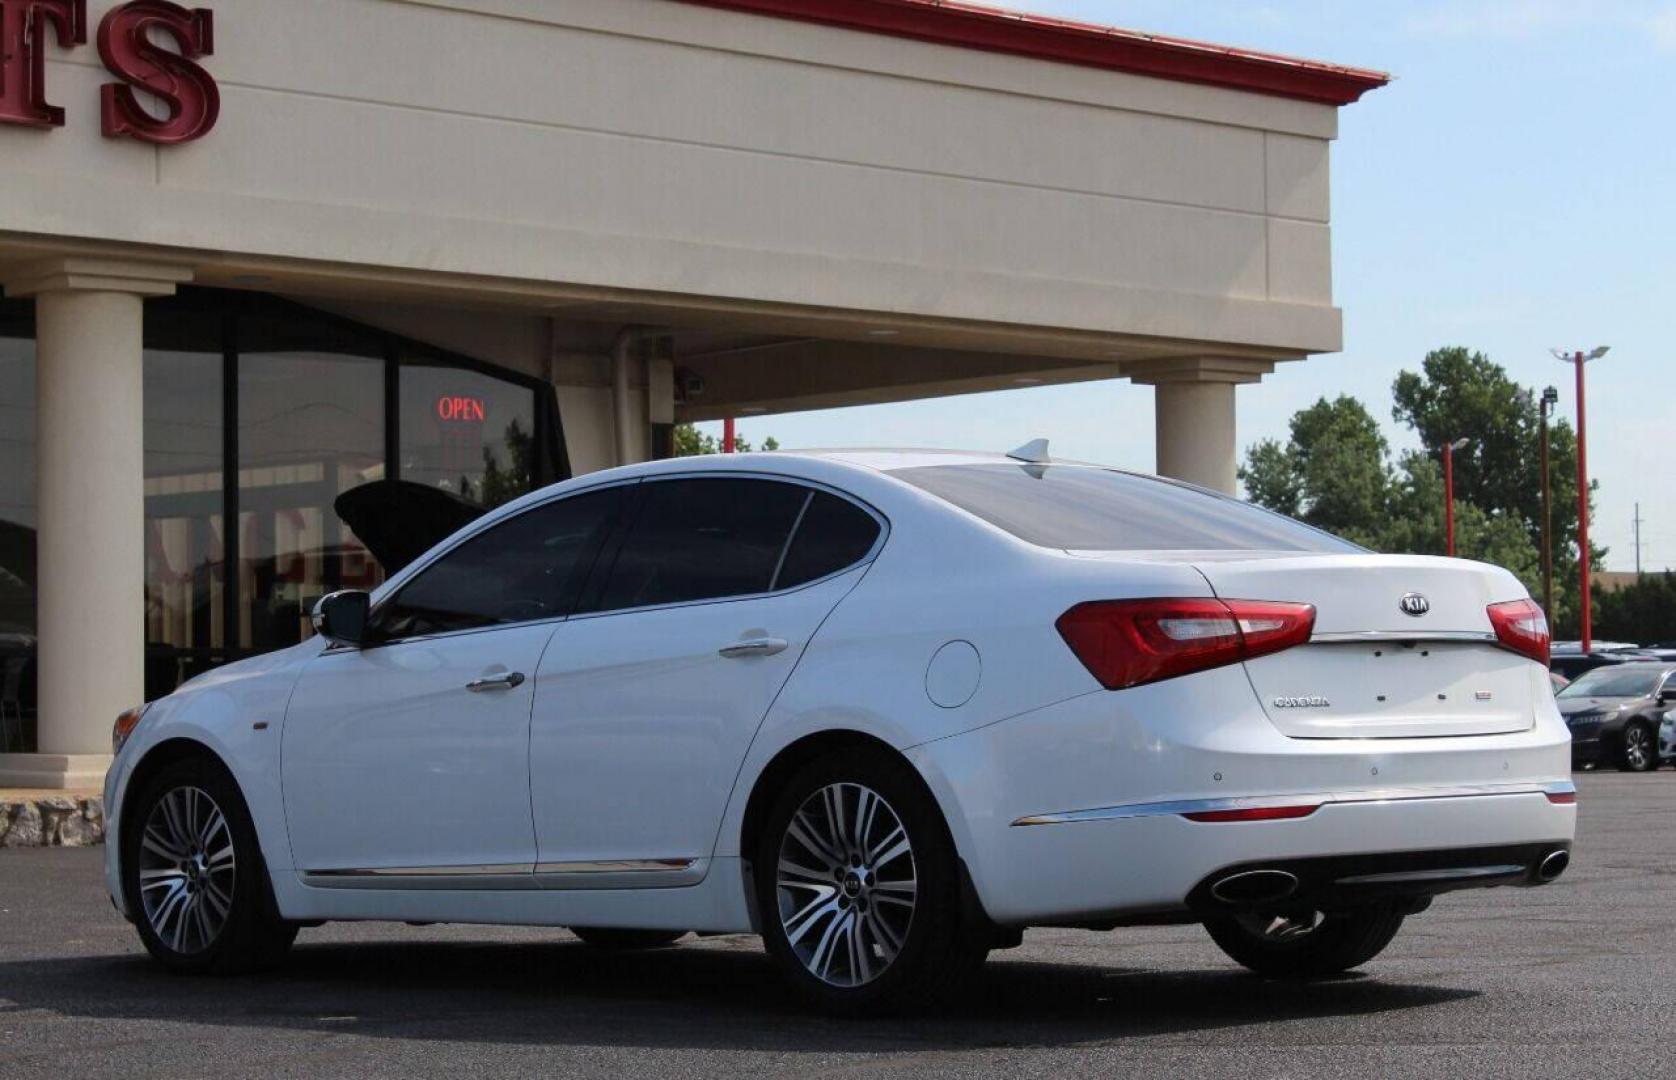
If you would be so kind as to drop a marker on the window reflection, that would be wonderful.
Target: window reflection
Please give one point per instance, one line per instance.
(467, 433)
(17, 529)
(185, 552)
(311, 426)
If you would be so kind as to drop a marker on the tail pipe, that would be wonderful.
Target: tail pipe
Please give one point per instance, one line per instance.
(1255, 887)
(1553, 865)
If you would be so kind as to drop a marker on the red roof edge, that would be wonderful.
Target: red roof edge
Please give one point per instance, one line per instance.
(948, 22)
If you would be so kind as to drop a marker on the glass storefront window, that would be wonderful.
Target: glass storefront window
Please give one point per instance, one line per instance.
(185, 507)
(311, 427)
(467, 433)
(17, 527)
(317, 403)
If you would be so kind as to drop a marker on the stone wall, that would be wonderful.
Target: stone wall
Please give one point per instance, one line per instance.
(52, 821)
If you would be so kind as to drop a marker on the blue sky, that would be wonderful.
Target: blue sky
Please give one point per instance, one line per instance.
(1513, 189)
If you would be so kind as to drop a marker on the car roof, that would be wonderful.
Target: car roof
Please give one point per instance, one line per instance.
(891, 459)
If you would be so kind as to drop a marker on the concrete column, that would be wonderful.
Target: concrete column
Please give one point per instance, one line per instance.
(1194, 404)
(89, 319)
(1195, 433)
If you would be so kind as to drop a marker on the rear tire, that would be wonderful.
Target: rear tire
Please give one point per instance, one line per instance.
(858, 888)
(615, 939)
(1337, 943)
(1639, 750)
(193, 875)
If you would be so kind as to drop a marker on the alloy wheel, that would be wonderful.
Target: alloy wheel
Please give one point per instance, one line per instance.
(846, 884)
(1636, 746)
(186, 869)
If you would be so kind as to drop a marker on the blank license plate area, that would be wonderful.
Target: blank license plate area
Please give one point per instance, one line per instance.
(1394, 690)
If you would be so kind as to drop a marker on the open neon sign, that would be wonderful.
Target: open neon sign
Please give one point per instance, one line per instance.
(460, 410)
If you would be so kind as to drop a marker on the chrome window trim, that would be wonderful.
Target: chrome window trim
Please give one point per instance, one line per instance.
(1178, 807)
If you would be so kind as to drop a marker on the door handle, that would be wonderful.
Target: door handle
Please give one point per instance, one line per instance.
(508, 681)
(762, 646)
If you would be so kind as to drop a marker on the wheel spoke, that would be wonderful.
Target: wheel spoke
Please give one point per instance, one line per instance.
(890, 943)
(799, 924)
(793, 876)
(835, 819)
(802, 830)
(898, 846)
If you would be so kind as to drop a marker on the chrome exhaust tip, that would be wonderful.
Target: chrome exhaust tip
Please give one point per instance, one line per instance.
(1255, 887)
(1553, 865)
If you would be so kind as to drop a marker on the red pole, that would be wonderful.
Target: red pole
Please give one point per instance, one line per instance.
(1582, 499)
(727, 435)
(1449, 499)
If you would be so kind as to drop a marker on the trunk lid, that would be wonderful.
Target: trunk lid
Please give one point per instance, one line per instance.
(1374, 668)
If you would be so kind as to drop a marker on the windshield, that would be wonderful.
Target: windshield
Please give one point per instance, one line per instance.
(1613, 682)
(1089, 509)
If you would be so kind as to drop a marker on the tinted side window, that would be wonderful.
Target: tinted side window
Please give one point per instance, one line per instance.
(833, 534)
(530, 567)
(701, 539)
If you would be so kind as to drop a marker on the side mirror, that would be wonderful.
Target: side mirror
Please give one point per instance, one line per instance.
(341, 617)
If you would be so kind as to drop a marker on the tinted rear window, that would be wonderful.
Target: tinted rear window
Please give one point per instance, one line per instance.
(1088, 509)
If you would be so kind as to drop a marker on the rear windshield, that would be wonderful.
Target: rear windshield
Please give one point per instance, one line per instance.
(1090, 509)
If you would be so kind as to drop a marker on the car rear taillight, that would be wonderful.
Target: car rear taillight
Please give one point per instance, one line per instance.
(1126, 643)
(1521, 626)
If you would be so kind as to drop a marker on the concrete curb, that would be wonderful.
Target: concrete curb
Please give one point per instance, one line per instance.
(52, 821)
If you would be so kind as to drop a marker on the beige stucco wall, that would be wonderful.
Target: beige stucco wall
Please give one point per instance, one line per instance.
(661, 147)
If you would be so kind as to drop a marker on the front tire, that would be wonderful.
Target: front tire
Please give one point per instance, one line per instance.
(193, 874)
(858, 888)
(1308, 945)
(1640, 748)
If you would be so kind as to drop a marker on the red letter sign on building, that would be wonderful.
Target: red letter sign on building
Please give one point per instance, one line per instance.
(187, 90)
(23, 59)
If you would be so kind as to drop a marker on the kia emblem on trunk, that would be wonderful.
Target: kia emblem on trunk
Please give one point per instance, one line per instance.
(1414, 604)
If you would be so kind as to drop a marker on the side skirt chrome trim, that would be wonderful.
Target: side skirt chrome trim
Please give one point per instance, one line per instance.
(593, 874)
(1371, 795)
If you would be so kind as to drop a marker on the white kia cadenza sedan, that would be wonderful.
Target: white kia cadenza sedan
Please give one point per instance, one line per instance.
(885, 709)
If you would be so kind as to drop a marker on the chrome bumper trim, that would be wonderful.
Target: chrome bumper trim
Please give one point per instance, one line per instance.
(1369, 795)
(1353, 636)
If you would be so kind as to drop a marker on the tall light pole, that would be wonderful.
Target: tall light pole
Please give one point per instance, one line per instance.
(1579, 358)
(1449, 449)
(1550, 398)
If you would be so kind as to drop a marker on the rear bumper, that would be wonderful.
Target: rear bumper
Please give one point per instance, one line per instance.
(1340, 882)
(1075, 813)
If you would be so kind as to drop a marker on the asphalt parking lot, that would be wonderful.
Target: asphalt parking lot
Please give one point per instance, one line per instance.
(1577, 979)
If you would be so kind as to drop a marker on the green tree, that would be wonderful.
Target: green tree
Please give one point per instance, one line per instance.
(502, 484)
(1460, 393)
(1643, 611)
(689, 442)
(1332, 473)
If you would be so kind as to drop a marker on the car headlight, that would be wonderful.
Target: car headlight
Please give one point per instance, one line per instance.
(125, 725)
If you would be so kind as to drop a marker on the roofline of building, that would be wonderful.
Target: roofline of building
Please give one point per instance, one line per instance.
(973, 26)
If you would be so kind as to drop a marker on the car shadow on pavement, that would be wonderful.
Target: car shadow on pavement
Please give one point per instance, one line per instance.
(719, 995)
